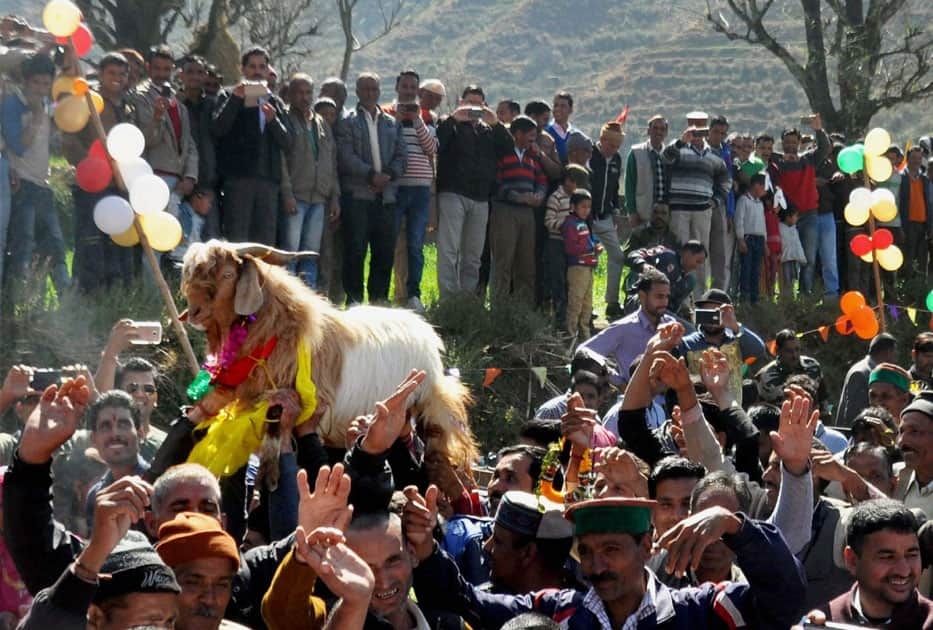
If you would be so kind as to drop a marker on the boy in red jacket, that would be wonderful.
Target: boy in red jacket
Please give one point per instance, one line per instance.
(582, 249)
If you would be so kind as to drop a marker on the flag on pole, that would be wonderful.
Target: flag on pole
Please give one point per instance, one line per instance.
(541, 374)
(491, 375)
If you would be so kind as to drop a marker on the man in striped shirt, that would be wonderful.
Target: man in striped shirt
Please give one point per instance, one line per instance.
(521, 188)
(414, 191)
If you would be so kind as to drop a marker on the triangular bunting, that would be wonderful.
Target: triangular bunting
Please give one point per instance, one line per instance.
(912, 314)
(541, 374)
(772, 347)
(491, 375)
(892, 311)
(824, 333)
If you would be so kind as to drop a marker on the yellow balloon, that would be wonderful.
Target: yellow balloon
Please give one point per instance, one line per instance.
(126, 239)
(64, 84)
(867, 257)
(856, 215)
(162, 229)
(878, 168)
(877, 142)
(71, 114)
(891, 258)
(98, 101)
(61, 17)
(884, 210)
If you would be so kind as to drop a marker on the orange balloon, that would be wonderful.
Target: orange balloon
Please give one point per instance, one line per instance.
(861, 317)
(869, 330)
(843, 325)
(80, 87)
(851, 301)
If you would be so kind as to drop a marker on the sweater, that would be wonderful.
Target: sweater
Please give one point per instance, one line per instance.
(421, 146)
(579, 242)
(466, 161)
(914, 614)
(519, 175)
(749, 217)
(798, 178)
(242, 149)
(791, 247)
(698, 179)
(308, 177)
(558, 209)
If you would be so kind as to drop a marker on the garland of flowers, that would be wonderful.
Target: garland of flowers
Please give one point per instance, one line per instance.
(549, 467)
(213, 367)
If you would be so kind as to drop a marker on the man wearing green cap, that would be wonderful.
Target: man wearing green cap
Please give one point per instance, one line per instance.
(613, 539)
(889, 387)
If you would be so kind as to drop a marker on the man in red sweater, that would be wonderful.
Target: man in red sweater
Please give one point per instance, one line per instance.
(796, 176)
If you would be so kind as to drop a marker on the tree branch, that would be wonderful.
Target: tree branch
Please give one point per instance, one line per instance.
(389, 22)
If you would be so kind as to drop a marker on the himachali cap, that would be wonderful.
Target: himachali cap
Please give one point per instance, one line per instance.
(523, 513)
(700, 120)
(611, 516)
(922, 403)
(434, 86)
(577, 140)
(892, 374)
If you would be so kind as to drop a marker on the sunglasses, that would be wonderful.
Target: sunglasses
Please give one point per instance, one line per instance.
(132, 388)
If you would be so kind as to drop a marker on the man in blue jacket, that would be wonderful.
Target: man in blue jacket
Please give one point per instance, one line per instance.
(614, 544)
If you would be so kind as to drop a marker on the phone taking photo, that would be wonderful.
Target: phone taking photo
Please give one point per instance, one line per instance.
(148, 333)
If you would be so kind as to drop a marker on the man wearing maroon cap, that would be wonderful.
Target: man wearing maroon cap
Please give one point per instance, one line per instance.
(205, 559)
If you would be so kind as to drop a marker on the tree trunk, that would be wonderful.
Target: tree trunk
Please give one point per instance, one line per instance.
(346, 24)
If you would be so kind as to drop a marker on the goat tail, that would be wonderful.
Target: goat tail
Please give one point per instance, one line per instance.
(446, 422)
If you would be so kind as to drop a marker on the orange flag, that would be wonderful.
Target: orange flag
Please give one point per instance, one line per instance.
(491, 375)
(824, 333)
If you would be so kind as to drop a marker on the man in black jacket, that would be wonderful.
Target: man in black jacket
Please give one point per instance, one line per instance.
(470, 140)
(252, 130)
(606, 168)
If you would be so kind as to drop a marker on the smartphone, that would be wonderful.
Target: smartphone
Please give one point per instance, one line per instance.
(408, 108)
(831, 625)
(150, 333)
(253, 90)
(706, 316)
(43, 377)
(476, 113)
(807, 120)
(701, 133)
(165, 90)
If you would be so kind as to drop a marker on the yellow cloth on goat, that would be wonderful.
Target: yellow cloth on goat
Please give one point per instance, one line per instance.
(234, 433)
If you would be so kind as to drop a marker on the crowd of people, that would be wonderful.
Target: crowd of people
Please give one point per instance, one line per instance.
(669, 487)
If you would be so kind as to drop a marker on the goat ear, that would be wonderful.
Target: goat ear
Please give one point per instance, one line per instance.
(248, 298)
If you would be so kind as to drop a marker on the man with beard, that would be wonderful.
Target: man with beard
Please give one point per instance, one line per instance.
(614, 544)
(656, 232)
(628, 337)
(735, 341)
(529, 544)
(883, 553)
(115, 433)
(205, 560)
(518, 468)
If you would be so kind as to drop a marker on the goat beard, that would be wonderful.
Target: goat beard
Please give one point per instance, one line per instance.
(269, 453)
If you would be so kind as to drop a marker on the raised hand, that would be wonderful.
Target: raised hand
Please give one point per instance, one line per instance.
(686, 541)
(391, 416)
(621, 471)
(666, 338)
(677, 430)
(54, 420)
(419, 518)
(794, 436)
(327, 507)
(670, 371)
(338, 566)
(15, 385)
(116, 508)
(578, 423)
(715, 372)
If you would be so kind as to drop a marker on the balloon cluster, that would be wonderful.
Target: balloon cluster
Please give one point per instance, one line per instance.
(62, 18)
(878, 203)
(148, 193)
(868, 156)
(857, 317)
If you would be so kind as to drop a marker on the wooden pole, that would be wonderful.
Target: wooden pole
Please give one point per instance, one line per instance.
(875, 267)
(147, 249)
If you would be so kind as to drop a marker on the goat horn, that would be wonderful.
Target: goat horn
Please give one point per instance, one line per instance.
(271, 255)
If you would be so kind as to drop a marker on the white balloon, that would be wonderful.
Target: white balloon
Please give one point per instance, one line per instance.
(133, 168)
(125, 141)
(149, 194)
(113, 215)
(860, 198)
(882, 194)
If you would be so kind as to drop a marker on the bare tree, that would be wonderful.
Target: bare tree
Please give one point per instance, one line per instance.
(138, 24)
(284, 28)
(352, 44)
(882, 58)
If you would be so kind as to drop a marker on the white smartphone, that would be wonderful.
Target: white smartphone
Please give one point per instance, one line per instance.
(149, 333)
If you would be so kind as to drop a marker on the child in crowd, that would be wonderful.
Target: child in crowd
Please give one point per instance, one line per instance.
(326, 108)
(792, 256)
(575, 177)
(750, 232)
(582, 249)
